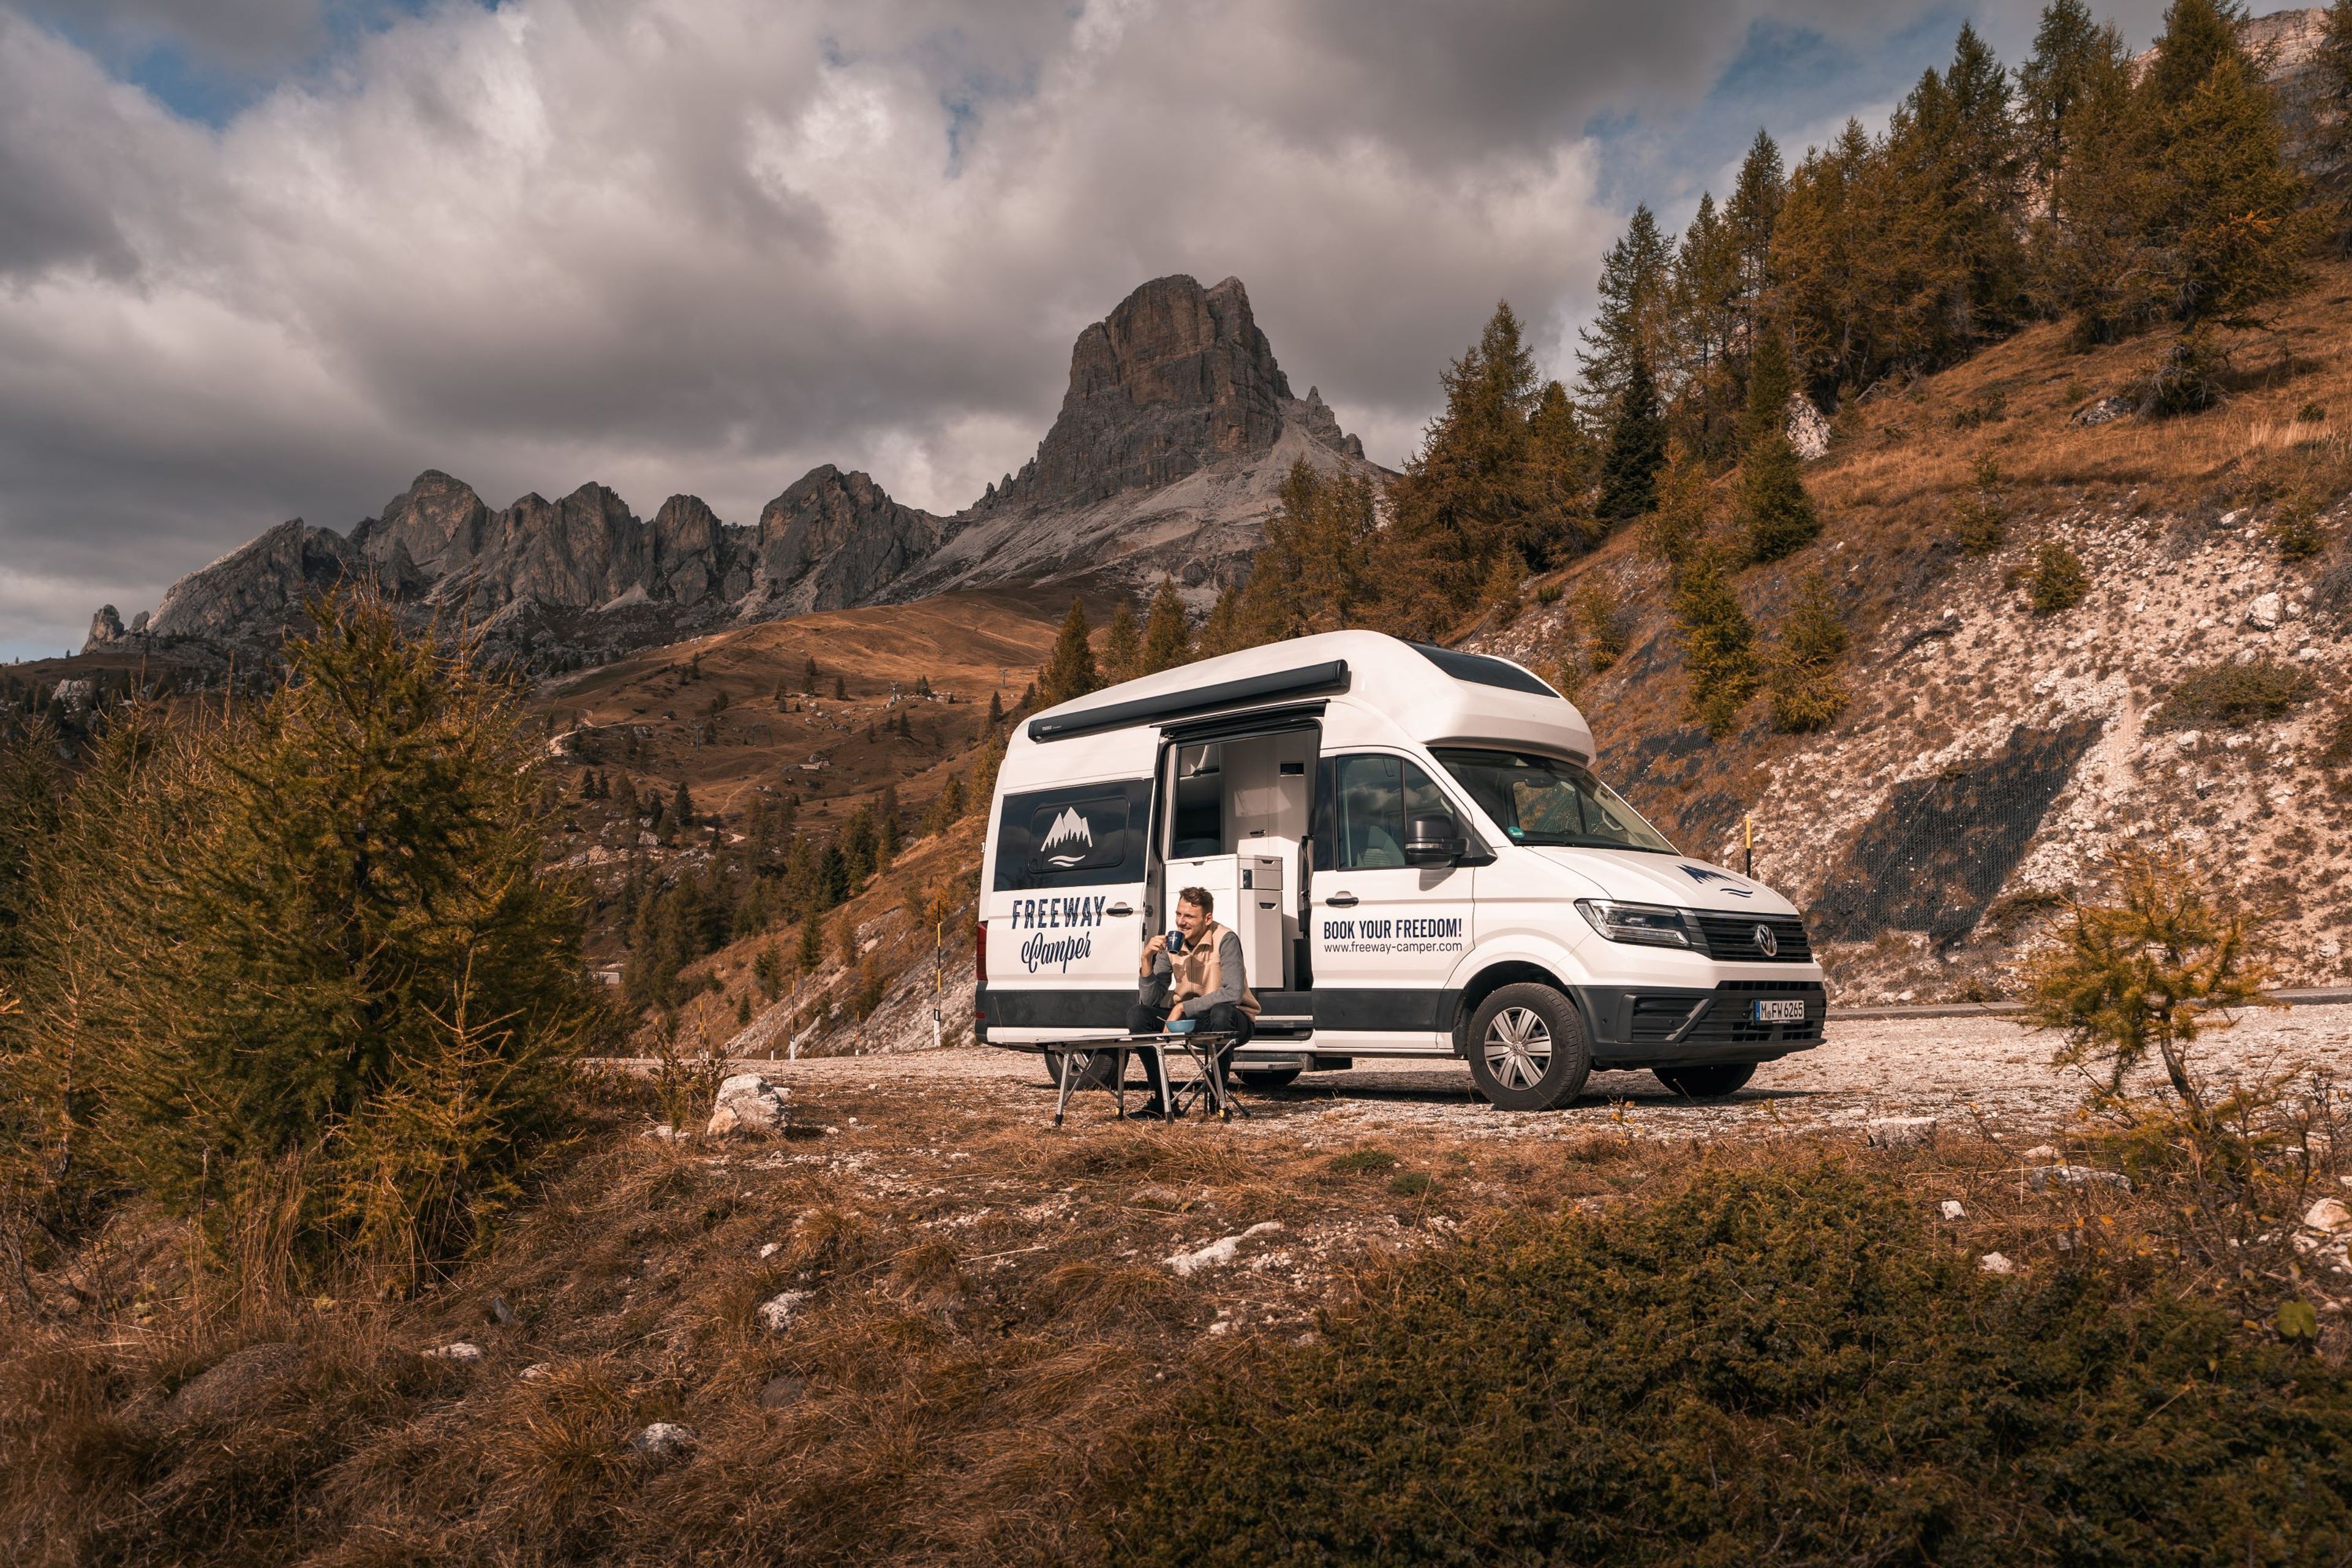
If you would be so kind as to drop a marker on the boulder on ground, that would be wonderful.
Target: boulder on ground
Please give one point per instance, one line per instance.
(747, 1103)
(663, 1441)
(777, 1310)
(1902, 1132)
(2041, 1178)
(231, 1386)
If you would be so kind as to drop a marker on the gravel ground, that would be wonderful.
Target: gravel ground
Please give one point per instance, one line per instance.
(1962, 1071)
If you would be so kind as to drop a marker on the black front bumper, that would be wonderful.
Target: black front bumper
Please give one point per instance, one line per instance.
(1666, 1026)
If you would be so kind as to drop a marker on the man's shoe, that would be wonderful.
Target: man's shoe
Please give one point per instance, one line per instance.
(1152, 1111)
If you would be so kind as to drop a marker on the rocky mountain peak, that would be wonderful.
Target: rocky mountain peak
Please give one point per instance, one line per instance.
(1175, 377)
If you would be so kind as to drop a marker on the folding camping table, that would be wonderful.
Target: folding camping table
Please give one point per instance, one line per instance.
(1205, 1087)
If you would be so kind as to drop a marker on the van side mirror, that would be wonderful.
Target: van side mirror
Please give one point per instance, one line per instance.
(1434, 841)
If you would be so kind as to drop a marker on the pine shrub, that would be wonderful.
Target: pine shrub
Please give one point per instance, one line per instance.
(2148, 973)
(1803, 683)
(2295, 530)
(2231, 696)
(1718, 645)
(315, 939)
(1604, 623)
(1775, 514)
(1782, 1365)
(2057, 581)
(1980, 521)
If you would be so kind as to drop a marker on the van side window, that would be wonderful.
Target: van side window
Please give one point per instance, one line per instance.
(1364, 808)
(1080, 838)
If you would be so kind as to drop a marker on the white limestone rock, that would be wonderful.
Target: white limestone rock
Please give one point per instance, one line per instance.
(748, 1103)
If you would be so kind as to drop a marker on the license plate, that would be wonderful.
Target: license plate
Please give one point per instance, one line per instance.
(1792, 1011)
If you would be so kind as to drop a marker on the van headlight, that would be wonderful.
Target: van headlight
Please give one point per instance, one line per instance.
(1653, 925)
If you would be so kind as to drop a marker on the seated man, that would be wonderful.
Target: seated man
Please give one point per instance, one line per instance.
(1198, 976)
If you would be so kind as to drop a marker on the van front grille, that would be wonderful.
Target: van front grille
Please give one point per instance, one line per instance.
(1732, 938)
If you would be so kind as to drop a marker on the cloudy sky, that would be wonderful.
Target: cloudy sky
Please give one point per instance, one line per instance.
(266, 258)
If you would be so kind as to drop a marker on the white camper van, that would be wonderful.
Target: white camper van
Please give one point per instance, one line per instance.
(1419, 861)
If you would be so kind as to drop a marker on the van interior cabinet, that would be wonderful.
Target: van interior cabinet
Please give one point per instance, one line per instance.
(1249, 891)
(1242, 804)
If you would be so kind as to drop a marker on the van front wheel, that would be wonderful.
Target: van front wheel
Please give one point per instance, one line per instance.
(1527, 1050)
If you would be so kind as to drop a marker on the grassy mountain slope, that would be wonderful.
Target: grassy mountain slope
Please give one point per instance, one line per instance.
(1991, 756)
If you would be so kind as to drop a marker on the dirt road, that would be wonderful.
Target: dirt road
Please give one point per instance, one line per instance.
(1962, 1071)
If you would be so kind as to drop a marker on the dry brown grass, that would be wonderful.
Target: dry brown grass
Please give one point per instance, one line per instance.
(983, 1342)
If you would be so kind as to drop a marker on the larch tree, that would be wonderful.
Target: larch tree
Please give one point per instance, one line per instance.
(1122, 645)
(1167, 631)
(1070, 671)
(1628, 323)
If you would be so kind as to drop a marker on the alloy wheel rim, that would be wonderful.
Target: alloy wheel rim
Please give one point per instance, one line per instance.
(1519, 1047)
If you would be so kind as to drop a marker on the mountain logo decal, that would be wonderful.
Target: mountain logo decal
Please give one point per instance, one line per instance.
(1731, 884)
(1070, 841)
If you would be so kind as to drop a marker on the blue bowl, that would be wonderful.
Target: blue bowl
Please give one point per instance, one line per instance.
(1182, 1026)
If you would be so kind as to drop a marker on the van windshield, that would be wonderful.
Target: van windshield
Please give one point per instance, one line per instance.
(1542, 800)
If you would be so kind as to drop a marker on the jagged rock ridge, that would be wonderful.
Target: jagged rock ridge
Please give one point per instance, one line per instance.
(1172, 440)
(1174, 434)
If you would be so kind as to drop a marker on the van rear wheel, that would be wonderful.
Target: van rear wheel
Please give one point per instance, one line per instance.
(1709, 1082)
(1527, 1050)
(1089, 1069)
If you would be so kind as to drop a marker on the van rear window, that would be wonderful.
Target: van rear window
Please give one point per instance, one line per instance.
(1080, 838)
(1481, 670)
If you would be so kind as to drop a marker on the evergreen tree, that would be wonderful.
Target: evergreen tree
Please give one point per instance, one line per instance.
(1707, 325)
(1310, 572)
(307, 960)
(893, 831)
(1677, 529)
(841, 688)
(810, 954)
(1774, 512)
(1123, 645)
(1752, 216)
(1819, 251)
(1167, 631)
(1719, 644)
(2332, 104)
(1070, 671)
(1222, 632)
(1806, 692)
(1636, 449)
(2073, 53)
(2198, 35)
(1469, 494)
(2229, 212)
(1626, 326)
(809, 677)
(1771, 384)
(681, 805)
(1565, 464)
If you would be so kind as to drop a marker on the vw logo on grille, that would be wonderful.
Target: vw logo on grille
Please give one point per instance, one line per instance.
(1766, 942)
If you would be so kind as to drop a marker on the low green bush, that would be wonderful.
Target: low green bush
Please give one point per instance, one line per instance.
(2057, 580)
(2229, 696)
(1772, 1365)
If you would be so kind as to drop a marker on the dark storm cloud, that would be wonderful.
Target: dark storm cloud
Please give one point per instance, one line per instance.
(704, 245)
